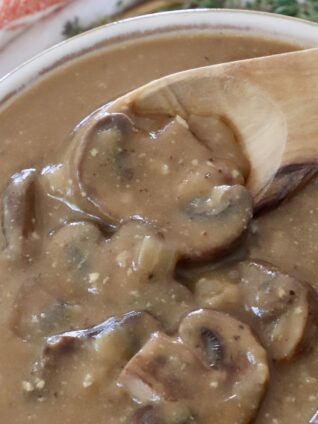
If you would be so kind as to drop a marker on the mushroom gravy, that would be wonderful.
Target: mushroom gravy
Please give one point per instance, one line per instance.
(108, 314)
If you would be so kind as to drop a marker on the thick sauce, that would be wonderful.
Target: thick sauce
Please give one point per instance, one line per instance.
(106, 314)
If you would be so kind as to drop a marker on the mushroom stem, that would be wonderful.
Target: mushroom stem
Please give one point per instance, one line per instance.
(19, 220)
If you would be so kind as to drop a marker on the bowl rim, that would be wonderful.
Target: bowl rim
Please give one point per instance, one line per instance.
(31, 70)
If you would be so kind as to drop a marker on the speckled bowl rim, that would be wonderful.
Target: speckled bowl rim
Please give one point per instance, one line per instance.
(261, 24)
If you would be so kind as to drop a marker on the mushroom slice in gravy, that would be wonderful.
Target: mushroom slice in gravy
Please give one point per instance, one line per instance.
(220, 218)
(36, 313)
(284, 309)
(215, 361)
(165, 176)
(228, 346)
(19, 219)
(82, 273)
(141, 274)
(161, 371)
(100, 349)
(73, 255)
(101, 149)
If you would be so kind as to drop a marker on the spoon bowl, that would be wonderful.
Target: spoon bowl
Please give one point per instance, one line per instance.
(271, 103)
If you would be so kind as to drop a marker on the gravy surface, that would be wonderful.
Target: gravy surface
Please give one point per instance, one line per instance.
(94, 304)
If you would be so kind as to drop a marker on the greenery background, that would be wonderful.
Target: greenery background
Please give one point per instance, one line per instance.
(306, 9)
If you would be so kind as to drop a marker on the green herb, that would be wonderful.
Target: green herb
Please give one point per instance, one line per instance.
(306, 9)
(74, 27)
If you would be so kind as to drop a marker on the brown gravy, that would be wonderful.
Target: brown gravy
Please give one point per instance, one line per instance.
(97, 326)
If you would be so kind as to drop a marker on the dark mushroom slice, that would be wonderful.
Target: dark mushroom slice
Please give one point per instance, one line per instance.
(98, 159)
(110, 344)
(137, 325)
(284, 309)
(215, 222)
(217, 369)
(19, 218)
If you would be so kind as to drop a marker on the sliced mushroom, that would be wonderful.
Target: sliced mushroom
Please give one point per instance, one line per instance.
(114, 163)
(118, 172)
(106, 346)
(141, 275)
(97, 161)
(216, 369)
(138, 327)
(102, 160)
(162, 370)
(228, 346)
(19, 218)
(86, 275)
(36, 313)
(82, 261)
(74, 253)
(59, 291)
(284, 309)
(219, 219)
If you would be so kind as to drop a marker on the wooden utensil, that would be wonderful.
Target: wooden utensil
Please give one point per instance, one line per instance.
(271, 102)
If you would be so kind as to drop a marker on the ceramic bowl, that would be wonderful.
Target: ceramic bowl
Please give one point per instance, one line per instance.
(272, 26)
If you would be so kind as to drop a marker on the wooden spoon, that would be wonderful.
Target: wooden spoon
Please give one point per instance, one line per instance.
(271, 102)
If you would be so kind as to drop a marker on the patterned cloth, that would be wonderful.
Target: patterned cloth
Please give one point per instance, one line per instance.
(27, 27)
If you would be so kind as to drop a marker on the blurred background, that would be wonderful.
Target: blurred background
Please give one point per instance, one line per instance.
(27, 27)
